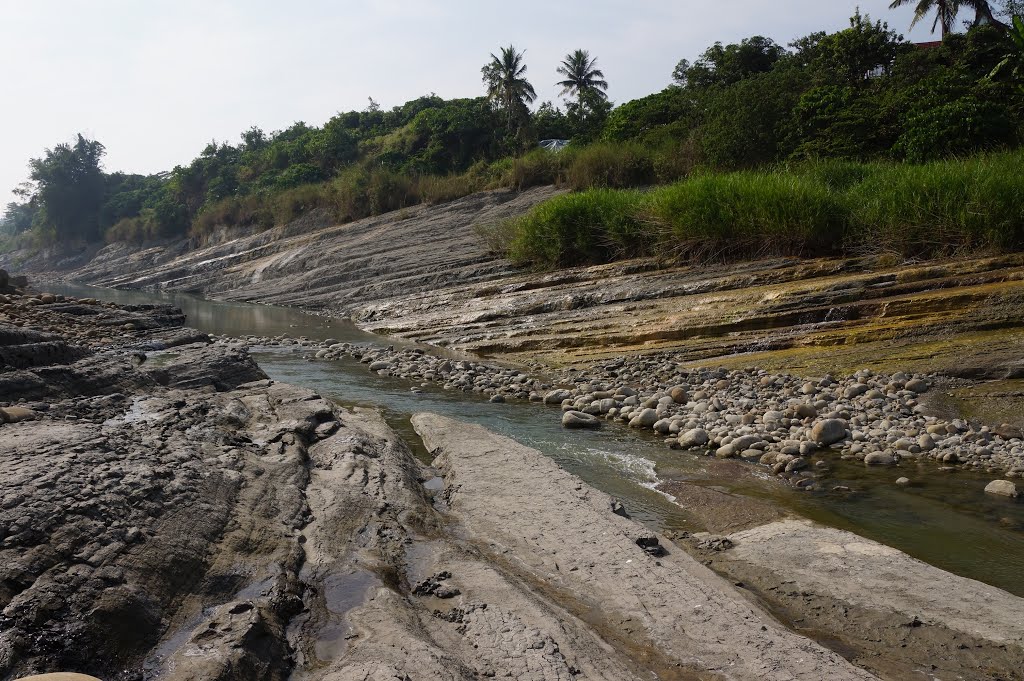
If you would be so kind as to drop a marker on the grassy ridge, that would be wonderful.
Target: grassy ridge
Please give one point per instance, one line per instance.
(940, 208)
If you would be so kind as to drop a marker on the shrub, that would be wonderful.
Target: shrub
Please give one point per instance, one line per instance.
(749, 214)
(593, 226)
(538, 167)
(941, 207)
(614, 166)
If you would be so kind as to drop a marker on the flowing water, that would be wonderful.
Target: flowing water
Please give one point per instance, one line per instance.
(944, 519)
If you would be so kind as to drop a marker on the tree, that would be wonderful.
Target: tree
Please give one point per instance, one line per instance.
(945, 12)
(983, 13)
(507, 87)
(1014, 59)
(582, 78)
(70, 188)
(855, 55)
(1012, 8)
(727, 64)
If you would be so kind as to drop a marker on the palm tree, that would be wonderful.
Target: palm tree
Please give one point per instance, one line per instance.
(945, 12)
(582, 77)
(507, 85)
(983, 13)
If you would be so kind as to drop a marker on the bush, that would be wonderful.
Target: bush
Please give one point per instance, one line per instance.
(593, 226)
(816, 208)
(749, 214)
(434, 189)
(959, 127)
(537, 167)
(941, 208)
(613, 166)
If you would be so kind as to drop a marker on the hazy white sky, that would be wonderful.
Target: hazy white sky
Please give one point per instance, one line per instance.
(155, 80)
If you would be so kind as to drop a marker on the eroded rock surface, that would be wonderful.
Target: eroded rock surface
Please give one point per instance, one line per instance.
(565, 536)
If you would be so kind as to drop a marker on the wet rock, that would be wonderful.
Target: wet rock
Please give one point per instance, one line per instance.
(715, 544)
(879, 459)
(645, 419)
(1003, 488)
(578, 419)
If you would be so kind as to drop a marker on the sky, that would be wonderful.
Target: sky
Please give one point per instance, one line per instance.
(155, 80)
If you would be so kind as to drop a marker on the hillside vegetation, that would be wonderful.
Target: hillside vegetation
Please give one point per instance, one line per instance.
(814, 208)
(740, 139)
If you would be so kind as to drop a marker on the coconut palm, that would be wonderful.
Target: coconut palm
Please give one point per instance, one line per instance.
(507, 86)
(582, 77)
(983, 13)
(945, 12)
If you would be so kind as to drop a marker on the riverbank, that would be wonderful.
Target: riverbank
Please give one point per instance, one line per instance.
(304, 529)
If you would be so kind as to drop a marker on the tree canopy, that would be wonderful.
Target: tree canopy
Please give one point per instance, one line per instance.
(860, 93)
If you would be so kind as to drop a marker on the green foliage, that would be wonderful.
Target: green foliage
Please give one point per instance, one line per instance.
(749, 214)
(818, 207)
(728, 64)
(594, 226)
(940, 208)
(509, 90)
(860, 94)
(670, 110)
(69, 188)
(958, 127)
(612, 166)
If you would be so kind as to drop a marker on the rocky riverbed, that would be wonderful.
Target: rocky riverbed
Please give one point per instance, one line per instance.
(793, 425)
(168, 512)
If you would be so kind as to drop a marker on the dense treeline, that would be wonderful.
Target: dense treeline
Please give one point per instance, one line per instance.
(861, 94)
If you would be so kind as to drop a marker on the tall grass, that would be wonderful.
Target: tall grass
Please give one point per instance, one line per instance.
(942, 207)
(748, 214)
(974, 205)
(593, 226)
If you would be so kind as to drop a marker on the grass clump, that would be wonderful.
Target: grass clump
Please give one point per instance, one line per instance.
(593, 226)
(817, 208)
(748, 215)
(941, 208)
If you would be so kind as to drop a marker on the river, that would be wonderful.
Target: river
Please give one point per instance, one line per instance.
(944, 519)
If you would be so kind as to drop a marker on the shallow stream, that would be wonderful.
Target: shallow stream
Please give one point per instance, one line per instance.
(944, 519)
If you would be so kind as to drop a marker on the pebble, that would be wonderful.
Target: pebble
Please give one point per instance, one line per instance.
(751, 413)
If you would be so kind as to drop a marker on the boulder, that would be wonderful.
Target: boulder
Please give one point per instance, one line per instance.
(645, 419)
(879, 459)
(556, 396)
(856, 390)
(806, 411)
(577, 419)
(917, 385)
(697, 437)
(678, 395)
(16, 414)
(828, 432)
(1003, 488)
